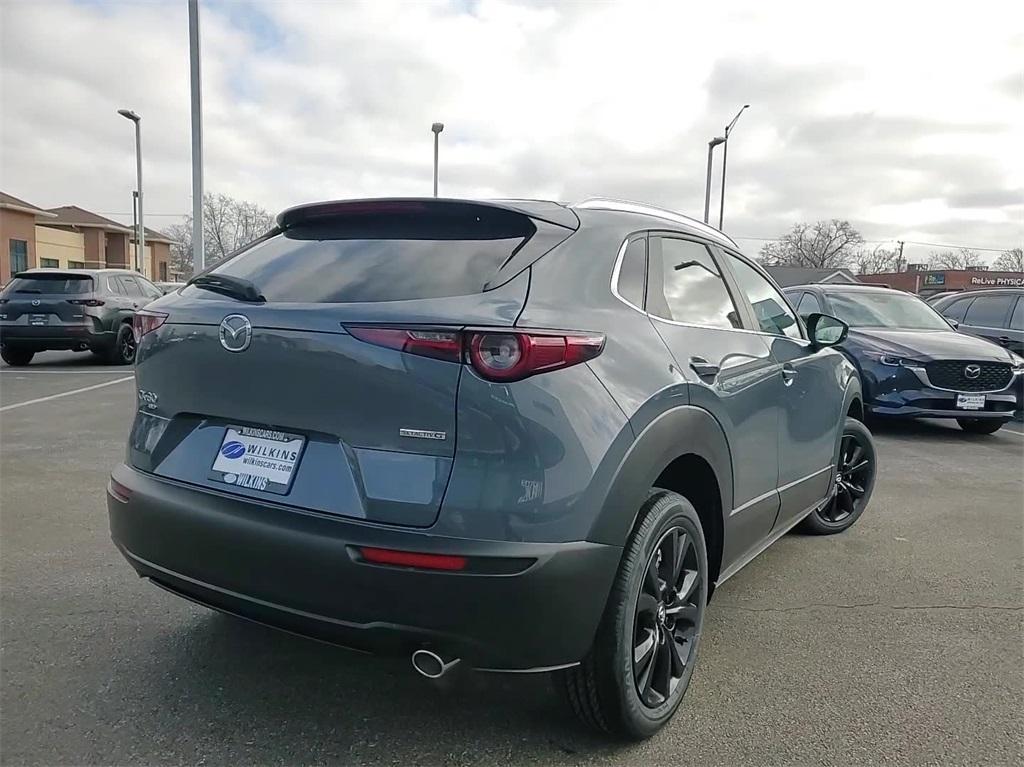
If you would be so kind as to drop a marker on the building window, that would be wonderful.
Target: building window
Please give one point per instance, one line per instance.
(163, 271)
(49, 263)
(19, 256)
(76, 264)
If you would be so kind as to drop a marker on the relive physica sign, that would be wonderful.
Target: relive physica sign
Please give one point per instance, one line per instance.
(999, 282)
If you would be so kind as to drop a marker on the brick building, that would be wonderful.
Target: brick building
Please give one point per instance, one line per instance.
(70, 237)
(945, 280)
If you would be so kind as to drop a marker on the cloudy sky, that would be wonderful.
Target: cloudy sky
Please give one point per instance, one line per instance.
(906, 118)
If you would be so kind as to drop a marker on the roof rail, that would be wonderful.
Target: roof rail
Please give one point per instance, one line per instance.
(628, 206)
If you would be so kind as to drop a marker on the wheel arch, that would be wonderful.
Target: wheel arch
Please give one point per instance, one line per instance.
(683, 450)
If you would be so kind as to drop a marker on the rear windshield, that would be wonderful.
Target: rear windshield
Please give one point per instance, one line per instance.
(383, 257)
(60, 284)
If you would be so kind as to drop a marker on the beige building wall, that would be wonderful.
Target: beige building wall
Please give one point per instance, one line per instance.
(62, 245)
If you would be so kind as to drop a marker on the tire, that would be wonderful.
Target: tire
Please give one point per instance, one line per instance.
(16, 358)
(123, 350)
(605, 690)
(853, 486)
(980, 425)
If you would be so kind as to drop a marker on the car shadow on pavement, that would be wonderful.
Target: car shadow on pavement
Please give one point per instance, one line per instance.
(263, 696)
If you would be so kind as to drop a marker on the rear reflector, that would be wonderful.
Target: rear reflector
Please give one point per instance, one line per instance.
(497, 355)
(118, 491)
(412, 559)
(146, 321)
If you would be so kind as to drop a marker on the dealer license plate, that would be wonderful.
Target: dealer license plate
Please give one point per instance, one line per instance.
(970, 401)
(38, 319)
(258, 459)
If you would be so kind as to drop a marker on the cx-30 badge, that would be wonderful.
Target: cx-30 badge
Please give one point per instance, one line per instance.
(972, 371)
(235, 332)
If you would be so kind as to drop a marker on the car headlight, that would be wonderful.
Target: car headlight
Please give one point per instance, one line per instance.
(894, 361)
(1018, 364)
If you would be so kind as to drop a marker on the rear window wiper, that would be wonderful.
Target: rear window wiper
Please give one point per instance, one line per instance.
(235, 287)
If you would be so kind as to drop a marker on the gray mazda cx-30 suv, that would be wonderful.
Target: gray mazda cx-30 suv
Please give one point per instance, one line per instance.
(515, 435)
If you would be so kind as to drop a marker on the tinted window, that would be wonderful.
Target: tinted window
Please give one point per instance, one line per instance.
(882, 309)
(1017, 320)
(770, 308)
(131, 287)
(685, 285)
(988, 311)
(383, 257)
(151, 290)
(59, 284)
(955, 310)
(114, 286)
(808, 305)
(633, 272)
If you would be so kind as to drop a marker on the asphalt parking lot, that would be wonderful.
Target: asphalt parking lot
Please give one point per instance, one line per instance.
(899, 642)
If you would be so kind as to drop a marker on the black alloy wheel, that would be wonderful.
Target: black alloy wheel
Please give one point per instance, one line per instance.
(667, 619)
(854, 481)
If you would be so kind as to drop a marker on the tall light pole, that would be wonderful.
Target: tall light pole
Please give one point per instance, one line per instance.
(725, 157)
(140, 234)
(436, 128)
(707, 184)
(198, 249)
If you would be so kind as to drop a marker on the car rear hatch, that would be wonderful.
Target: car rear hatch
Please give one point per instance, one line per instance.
(272, 381)
(47, 300)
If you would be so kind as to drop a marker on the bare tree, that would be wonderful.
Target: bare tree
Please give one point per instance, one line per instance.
(822, 245)
(877, 260)
(953, 259)
(1011, 260)
(228, 224)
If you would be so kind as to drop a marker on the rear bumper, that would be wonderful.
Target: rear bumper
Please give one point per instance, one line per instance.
(50, 337)
(519, 606)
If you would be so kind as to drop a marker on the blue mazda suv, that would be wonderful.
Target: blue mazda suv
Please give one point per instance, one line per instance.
(912, 361)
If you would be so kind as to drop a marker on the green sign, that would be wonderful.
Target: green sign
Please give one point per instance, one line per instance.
(935, 279)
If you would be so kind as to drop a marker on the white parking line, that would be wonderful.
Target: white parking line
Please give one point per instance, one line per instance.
(1014, 431)
(68, 372)
(16, 405)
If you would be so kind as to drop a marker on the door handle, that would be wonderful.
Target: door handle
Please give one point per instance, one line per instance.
(1004, 340)
(788, 374)
(703, 368)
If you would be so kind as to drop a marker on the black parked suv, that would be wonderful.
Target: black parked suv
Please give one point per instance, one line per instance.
(76, 309)
(996, 315)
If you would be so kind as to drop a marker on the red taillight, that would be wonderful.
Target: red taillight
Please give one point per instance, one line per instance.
(413, 559)
(439, 344)
(86, 301)
(497, 355)
(146, 322)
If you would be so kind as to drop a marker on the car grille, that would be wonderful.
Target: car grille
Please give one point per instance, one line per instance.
(952, 374)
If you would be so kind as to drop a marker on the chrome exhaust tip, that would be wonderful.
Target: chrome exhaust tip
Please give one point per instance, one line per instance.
(431, 665)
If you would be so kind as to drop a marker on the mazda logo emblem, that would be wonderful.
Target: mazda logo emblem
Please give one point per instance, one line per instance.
(35, 302)
(235, 333)
(972, 371)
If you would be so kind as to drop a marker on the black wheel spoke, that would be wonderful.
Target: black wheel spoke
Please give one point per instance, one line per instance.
(859, 467)
(856, 492)
(688, 583)
(651, 584)
(663, 668)
(856, 455)
(643, 652)
(681, 545)
(686, 613)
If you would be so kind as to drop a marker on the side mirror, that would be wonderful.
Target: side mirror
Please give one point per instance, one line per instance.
(826, 330)
(953, 323)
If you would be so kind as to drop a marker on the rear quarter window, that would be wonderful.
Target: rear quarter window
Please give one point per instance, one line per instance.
(383, 257)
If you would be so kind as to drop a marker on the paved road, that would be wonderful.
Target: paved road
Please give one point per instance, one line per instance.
(899, 642)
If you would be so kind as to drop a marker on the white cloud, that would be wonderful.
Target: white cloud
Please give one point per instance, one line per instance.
(905, 119)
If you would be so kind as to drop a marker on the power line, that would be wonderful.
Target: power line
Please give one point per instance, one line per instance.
(148, 214)
(879, 242)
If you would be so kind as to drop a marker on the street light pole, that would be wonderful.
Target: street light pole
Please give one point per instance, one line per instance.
(198, 249)
(725, 158)
(140, 234)
(707, 184)
(436, 128)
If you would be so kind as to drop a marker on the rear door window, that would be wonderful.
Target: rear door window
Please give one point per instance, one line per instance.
(633, 272)
(1017, 320)
(988, 312)
(684, 284)
(131, 287)
(52, 284)
(384, 256)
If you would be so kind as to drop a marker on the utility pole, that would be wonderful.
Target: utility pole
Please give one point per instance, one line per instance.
(436, 129)
(707, 184)
(198, 251)
(140, 230)
(899, 258)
